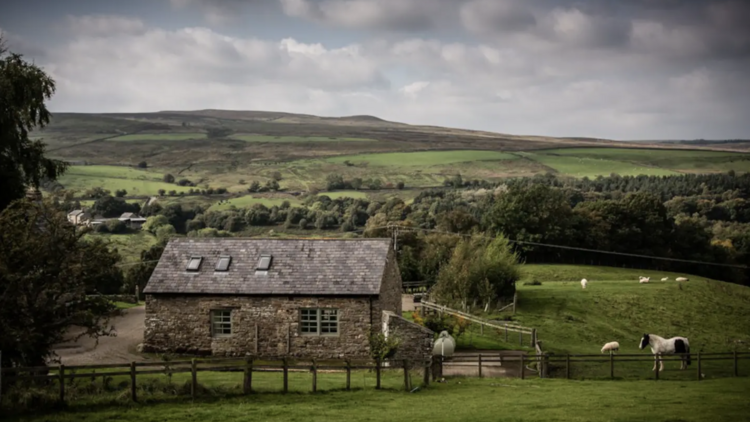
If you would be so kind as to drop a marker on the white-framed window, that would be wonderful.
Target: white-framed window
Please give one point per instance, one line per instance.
(221, 322)
(319, 322)
(223, 263)
(194, 264)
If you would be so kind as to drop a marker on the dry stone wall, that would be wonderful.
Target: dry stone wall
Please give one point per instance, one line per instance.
(415, 341)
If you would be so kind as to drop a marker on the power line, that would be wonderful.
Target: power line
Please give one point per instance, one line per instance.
(523, 242)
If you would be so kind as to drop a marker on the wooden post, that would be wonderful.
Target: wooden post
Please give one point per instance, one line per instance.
(289, 339)
(427, 367)
(286, 375)
(611, 365)
(506, 332)
(61, 374)
(501, 358)
(348, 375)
(481, 329)
(736, 366)
(247, 385)
(132, 382)
(567, 366)
(520, 338)
(523, 369)
(533, 337)
(515, 298)
(314, 376)
(377, 374)
(194, 379)
(480, 365)
(407, 384)
(699, 367)
(256, 339)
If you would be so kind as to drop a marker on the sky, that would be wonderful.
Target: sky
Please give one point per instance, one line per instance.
(626, 70)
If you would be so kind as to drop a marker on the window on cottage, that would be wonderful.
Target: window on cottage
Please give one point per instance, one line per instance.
(195, 263)
(323, 321)
(264, 263)
(221, 323)
(223, 263)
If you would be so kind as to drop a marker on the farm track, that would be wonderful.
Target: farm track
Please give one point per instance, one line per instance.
(118, 349)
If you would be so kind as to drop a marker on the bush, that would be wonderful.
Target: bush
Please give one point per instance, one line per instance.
(168, 178)
(533, 283)
(382, 348)
(142, 165)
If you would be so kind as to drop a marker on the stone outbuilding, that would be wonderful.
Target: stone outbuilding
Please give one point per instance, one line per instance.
(277, 297)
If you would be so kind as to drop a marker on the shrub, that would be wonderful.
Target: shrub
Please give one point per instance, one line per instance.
(382, 347)
(533, 283)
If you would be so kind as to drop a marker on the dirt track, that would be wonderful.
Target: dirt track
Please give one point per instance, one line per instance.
(118, 349)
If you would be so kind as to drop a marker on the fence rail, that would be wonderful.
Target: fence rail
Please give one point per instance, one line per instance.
(62, 373)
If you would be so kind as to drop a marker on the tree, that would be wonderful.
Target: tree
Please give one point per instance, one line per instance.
(46, 272)
(334, 181)
(165, 232)
(276, 176)
(162, 192)
(109, 206)
(154, 222)
(121, 193)
(400, 185)
(24, 88)
(168, 178)
(138, 275)
(142, 165)
(254, 186)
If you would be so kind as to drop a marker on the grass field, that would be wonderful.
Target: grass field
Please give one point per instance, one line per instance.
(129, 246)
(426, 158)
(591, 167)
(175, 136)
(346, 194)
(250, 200)
(457, 400)
(135, 181)
(296, 139)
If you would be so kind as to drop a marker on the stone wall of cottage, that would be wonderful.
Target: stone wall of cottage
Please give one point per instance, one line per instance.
(415, 341)
(182, 324)
(390, 289)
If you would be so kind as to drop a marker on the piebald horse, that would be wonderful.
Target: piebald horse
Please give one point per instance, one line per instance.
(670, 346)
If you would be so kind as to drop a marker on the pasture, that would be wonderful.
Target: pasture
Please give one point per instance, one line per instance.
(250, 200)
(129, 246)
(422, 158)
(135, 181)
(456, 400)
(580, 167)
(169, 136)
(295, 139)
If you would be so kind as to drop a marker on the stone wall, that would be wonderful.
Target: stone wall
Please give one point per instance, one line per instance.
(390, 289)
(415, 341)
(181, 324)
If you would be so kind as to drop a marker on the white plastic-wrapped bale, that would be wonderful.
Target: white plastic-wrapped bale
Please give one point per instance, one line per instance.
(445, 345)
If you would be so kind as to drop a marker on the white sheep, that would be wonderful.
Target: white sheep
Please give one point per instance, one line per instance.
(612, 346)
(645, 279)
(584, 282)
(665, 279)
(682, 279)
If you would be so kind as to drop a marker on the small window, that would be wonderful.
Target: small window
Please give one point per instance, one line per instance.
(223, 263)
(195, 263)
(264, 263)
(319, 321)
(221, 323)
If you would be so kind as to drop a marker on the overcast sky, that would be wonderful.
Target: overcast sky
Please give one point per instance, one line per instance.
(635, 69)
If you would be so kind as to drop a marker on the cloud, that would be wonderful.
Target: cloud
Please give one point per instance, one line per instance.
(218, 12)
(514, 81)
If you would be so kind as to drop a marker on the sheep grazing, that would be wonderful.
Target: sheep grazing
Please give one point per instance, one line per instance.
(612, 346)
(644, 279)
(682, 279)
(665, 279)
(584, 282)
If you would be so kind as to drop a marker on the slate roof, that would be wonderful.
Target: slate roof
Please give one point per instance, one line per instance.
(299, 267)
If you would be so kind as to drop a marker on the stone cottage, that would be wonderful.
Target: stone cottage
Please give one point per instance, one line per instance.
(276, 297)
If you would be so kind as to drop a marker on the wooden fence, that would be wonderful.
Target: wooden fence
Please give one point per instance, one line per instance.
(501, 326)
(61, 373)
(564, 363)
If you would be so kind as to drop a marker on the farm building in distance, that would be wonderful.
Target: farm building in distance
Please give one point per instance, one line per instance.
(278, 297)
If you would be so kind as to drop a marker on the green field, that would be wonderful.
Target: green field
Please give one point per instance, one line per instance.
(457, 400)
(128, 245)
(346, 194)
(174, 136)
(250, 200)
(135, 181)
(592, 162)
(616, 307)
(426, 158)
(295, 139)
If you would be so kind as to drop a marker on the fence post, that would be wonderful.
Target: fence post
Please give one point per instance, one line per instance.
(611, 365)
(520, 338)
(132, 382)
(314, 376)
(247, 385)
(523, 368)
(377, 374)
(348, 375)
(736, 366)
(286, 374)
(427, 367)
(699, 366)
(61, 374)
(533, 337)
(506, 332)
(407, 385)
(480, 365)
(194, 380)
(567, 366)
